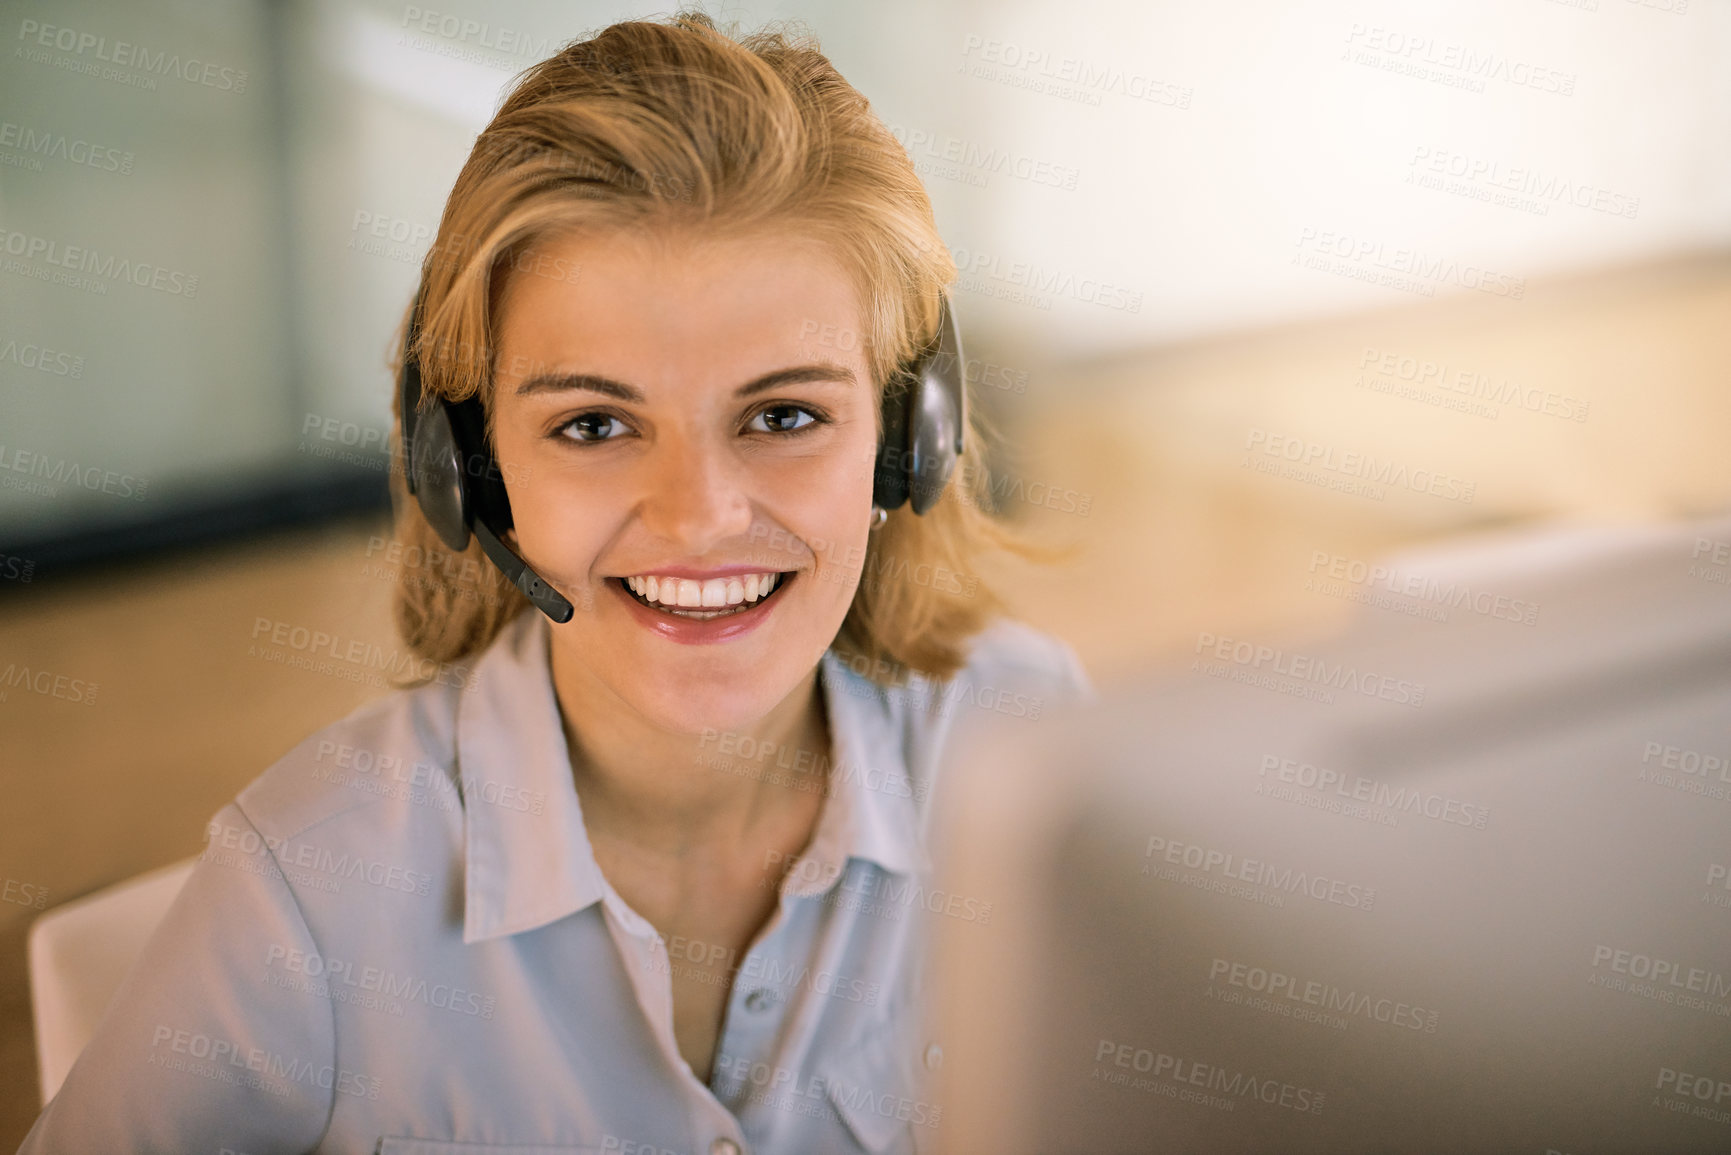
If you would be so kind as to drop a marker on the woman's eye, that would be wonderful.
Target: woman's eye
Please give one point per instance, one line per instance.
(782, 419)
(592, 427)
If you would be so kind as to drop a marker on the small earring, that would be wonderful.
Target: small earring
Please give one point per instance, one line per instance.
(879, 516)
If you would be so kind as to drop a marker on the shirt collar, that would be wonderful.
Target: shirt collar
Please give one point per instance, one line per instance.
(871, 811)
(528, 858)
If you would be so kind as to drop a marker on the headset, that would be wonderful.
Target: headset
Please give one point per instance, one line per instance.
(453, 476)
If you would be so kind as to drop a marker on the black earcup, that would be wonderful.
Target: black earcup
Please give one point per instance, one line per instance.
(932, 439)
(432, 459)
(457, 483)
(925, 417)
(436, 469)
(890, 481)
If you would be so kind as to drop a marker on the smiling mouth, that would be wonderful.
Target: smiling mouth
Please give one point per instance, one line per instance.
(637, 589)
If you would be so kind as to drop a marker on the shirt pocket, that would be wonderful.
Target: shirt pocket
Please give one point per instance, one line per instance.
(408, 1145)
(875, 1087)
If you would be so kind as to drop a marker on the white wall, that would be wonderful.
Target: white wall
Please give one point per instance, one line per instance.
(1198, 160)
(1291, 130)
(1199, 152)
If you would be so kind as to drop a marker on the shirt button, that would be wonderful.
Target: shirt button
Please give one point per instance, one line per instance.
(934, 1057)
(760, 999)
(724, 1146)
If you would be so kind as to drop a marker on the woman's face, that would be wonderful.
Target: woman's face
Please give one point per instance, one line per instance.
(669, 415)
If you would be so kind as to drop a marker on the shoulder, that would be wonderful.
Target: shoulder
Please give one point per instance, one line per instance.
(1014, 676)
(1015, 669)
(387, 761)
(374, 803)
(1012, 671)
(1010, 648)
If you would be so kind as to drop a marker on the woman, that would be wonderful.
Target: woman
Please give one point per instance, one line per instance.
(643, 874)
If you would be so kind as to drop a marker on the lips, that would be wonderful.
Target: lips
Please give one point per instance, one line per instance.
(703, 600)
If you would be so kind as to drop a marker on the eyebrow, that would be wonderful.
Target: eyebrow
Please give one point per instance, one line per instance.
(822, 371)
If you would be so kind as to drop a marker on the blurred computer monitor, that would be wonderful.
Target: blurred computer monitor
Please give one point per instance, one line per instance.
(1426, 886)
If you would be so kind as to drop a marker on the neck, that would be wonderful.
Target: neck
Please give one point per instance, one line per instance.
(671, 790)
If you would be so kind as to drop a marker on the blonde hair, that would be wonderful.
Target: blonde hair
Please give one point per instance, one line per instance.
(652, 124)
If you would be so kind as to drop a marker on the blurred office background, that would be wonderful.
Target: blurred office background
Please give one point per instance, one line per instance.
(1487, 245)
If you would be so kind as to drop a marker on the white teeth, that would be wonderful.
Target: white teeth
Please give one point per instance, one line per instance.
(715, 593)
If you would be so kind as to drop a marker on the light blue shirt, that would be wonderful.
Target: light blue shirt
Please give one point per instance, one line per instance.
(398, 940)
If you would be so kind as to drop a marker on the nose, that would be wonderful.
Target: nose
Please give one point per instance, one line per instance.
(695, 495)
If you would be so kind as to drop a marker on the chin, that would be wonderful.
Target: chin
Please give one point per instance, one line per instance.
(701, 706)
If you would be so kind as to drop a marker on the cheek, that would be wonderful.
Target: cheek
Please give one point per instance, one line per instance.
(557, 523)
(833, 491)
(834, 523)
(845, 469)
